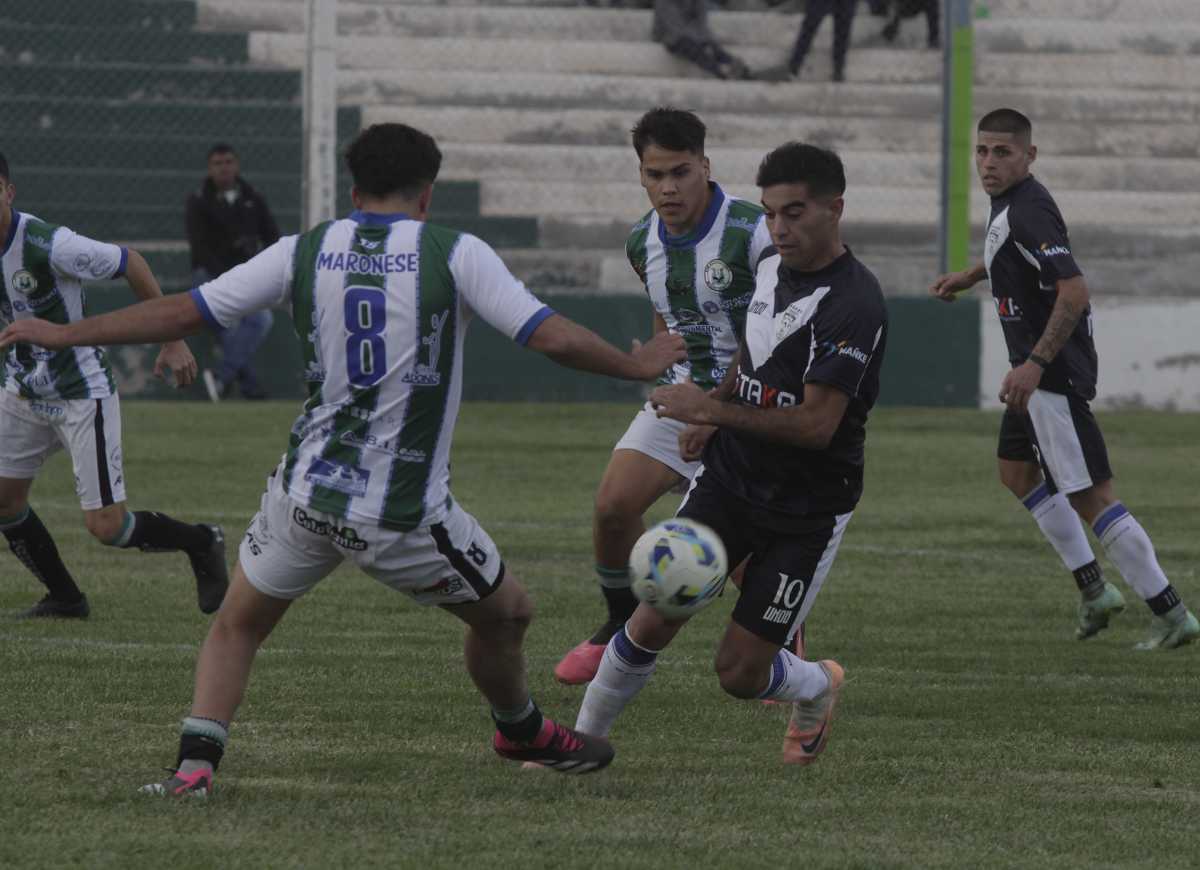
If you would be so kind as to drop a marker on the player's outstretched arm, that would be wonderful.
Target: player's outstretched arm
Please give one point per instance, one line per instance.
(158, 320)
(577, 347)
(175, 355)
(811, 424)
(948, 286)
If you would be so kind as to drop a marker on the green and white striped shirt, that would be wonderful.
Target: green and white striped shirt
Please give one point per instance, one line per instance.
(702, 283)
(381, 305)
(42, 270)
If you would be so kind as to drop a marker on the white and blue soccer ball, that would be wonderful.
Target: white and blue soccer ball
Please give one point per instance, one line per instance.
(678, 567)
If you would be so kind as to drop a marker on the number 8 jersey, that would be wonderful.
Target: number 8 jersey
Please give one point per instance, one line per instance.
(381, 305)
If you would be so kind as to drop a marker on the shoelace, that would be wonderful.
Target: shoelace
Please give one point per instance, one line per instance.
(566, 739)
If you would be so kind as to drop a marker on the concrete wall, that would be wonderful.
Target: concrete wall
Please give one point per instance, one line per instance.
(1149, 354)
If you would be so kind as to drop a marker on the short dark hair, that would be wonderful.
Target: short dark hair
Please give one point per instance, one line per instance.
(1007, 121)
(220, 148)
(672, 129)
(4, 168)
(393, 158)
(801, 163)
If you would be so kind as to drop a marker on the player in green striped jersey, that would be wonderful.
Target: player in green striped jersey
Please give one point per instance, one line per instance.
(68, 398)
(695, 253)
(381, 301)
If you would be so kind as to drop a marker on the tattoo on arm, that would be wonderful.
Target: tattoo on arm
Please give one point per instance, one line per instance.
(1063, 320)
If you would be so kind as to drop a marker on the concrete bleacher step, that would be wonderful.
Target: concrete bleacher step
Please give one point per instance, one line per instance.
(166, 222)
(150, 82)
(611, 127)
(648, 59)
(811, 98)
(212, 120)
(1084, 10)
(641, 58)
(151, 153)
(536, 164)
(864, 203)
(74, 45)
(279, 184)
(763, 29)
(150, 15)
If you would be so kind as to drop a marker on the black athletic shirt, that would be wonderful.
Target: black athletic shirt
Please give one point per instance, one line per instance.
(1026, 252)
(824, 327)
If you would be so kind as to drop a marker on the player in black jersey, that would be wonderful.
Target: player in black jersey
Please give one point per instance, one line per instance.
(1051, 454)
(782, 468)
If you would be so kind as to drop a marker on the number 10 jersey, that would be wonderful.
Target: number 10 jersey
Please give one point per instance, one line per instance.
(380, 304)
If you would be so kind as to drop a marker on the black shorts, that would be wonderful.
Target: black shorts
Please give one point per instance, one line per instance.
(785, 571)
(1060, 434)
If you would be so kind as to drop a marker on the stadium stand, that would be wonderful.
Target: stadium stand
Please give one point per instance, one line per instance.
(110, 105)
(532, 99)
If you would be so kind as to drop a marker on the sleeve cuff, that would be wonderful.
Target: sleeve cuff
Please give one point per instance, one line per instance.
(120, 273)
(531, 324)
(205, 311)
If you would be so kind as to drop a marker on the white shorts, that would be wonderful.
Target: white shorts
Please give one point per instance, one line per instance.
(658, 438)
(289, 548)
(90, 430)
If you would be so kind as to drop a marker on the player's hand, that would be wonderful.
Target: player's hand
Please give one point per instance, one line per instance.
(51, 336)
(686, 403)
(947, 287)
(658, 354)
(175, 357)
(1018, 386)
(692, 440)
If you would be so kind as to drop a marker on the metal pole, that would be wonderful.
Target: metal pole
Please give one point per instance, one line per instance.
(320, 112)
(958, 77)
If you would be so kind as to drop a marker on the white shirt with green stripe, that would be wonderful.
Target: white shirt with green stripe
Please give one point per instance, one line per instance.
(702, 283)
(381, 304)
(42, 270)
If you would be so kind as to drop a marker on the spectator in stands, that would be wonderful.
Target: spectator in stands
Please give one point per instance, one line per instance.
(814, 13)
(228, 222)
(682, 28)
(911, 9)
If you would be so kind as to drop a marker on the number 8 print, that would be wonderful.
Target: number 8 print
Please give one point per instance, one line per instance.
(366, 353)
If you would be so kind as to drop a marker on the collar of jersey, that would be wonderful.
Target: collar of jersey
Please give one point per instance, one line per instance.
(12, 230)
(373, 218)
(710, 215)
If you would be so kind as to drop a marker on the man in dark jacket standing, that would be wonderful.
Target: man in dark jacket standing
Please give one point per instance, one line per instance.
(228, 222)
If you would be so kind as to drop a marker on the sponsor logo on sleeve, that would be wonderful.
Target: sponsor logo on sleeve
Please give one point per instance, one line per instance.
(1048, 250)
(843, 349)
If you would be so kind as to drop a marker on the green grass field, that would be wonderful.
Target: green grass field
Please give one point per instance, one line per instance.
(973, 730)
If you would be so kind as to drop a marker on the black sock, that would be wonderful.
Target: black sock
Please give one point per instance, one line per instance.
(523, 730)
(621, 604)
(1090, 579)
(158, 533)
(1165, 601)
(30, 541)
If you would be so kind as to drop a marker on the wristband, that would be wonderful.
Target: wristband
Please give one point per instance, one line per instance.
(1040, 362)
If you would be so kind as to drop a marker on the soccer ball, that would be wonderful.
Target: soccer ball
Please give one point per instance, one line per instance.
(678, 567)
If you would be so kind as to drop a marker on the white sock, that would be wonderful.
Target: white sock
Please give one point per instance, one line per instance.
(624, 670)
(1128, 545)
(1061, 526)
(794, 679)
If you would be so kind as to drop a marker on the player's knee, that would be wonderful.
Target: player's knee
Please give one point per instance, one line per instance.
(509, 621)
(614, 510)
(1019, 478)
(104, 526)
(739, 679)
